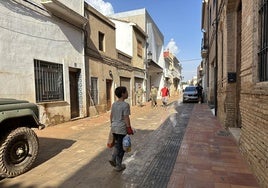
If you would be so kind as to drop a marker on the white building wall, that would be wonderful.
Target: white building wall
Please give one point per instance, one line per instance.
(124, 37)
(156, 46)
(28, 33)
(155, 41)
(76, 5)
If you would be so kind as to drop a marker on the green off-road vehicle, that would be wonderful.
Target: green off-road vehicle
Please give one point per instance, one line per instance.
(18, 142)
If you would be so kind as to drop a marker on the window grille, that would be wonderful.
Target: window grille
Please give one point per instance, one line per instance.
(48, 81)
(94, 91)
(263, 53)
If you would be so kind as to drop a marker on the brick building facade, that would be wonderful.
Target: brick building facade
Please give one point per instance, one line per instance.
(235, 42)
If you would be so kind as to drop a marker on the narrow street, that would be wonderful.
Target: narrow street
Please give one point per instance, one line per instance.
(62, 62)
(74, 154)
(178, 146)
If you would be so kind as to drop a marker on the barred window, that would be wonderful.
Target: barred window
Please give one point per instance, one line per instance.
(48, 81)
(263, 51)
(94, 91)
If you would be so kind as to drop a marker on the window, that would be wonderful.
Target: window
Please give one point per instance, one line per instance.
(101, 41)
(263, 51)
(94, 91)
(139, 48)
(48, 81)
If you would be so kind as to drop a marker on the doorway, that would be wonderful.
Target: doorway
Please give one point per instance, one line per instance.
(74, 75)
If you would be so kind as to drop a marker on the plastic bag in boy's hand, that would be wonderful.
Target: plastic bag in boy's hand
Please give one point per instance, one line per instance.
(129, 130)
(127, 143)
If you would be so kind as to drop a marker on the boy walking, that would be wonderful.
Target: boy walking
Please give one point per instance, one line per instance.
(120, 126)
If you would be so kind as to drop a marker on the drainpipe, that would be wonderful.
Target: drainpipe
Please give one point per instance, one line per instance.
(216, 61)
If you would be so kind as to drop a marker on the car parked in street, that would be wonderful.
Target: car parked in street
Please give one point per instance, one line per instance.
(190, 94)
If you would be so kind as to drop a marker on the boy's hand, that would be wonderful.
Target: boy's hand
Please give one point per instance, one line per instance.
(129, 131)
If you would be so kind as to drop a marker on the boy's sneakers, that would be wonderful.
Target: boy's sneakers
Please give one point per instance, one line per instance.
(120, 168)
(117, 168)
(112, 162)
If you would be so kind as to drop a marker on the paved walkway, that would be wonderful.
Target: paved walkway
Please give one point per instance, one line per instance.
(74, 154)
(209, 156)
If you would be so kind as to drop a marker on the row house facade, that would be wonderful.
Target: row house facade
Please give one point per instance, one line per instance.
(100, 61)
(172, 73)
(63, 56)
(235, 72)
(114, 57)
(68, 58)
(154, 58)
(131, 40)
(42, 56)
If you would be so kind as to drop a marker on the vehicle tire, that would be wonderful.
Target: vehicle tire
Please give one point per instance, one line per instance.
(18, 151)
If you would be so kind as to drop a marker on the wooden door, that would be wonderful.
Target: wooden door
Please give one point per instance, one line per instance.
(74, 97)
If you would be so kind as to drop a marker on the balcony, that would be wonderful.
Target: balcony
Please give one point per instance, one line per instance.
(60, 10)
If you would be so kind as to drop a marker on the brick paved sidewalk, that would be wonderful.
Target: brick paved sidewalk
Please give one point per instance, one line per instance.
(209, 157)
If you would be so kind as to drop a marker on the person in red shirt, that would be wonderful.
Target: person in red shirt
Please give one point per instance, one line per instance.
(164, 94)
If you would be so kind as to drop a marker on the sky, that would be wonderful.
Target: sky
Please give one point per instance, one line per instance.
(178, 20)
